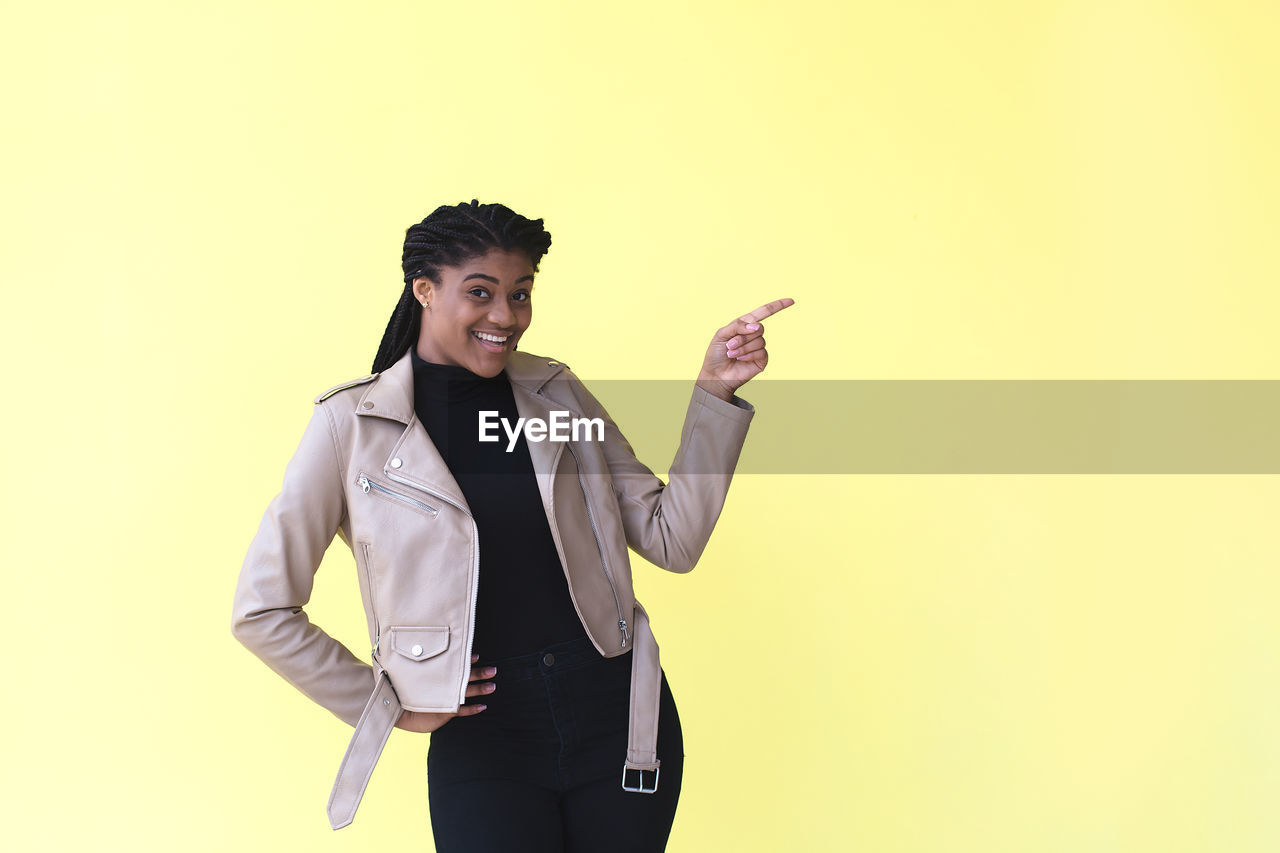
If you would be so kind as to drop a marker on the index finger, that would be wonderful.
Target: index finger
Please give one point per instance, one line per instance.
(765, 310)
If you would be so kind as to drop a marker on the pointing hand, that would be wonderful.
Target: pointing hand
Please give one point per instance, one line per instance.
(737, 351)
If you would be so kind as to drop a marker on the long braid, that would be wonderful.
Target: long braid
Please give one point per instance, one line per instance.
(401, 333)
(450, 236)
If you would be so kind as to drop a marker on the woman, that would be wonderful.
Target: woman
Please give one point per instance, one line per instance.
(495, 570)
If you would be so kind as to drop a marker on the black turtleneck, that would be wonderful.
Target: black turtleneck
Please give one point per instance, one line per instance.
(523, 601)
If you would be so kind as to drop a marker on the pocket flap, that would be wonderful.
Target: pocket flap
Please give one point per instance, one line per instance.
(420, 643)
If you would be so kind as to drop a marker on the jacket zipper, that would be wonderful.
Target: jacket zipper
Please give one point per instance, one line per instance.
(368, 571)
(622, 623)
(366, 484)
(475, 572)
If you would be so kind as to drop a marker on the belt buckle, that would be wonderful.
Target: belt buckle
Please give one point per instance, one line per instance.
(640, 788)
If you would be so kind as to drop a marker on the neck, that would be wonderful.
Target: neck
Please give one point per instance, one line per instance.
(450, 381)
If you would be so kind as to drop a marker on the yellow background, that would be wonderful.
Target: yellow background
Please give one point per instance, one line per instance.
(203, 210)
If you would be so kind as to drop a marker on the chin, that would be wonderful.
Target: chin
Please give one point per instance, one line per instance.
(485, 362)
(489, 367)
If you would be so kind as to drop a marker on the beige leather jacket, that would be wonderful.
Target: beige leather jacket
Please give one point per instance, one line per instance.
(367, 471)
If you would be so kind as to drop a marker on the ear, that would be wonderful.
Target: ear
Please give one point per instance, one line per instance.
(422, 288)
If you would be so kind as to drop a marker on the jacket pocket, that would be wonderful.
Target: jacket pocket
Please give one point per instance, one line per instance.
(364, 570)
(420, 673)
(370, 486)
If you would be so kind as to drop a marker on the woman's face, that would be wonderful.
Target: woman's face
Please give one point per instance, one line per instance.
(487, 296)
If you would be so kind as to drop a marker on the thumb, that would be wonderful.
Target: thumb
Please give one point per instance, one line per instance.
(740, 326)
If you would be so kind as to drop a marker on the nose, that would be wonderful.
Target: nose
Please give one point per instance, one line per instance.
(501, 315)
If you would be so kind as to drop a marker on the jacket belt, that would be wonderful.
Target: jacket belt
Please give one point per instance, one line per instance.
(372, 730)
(646, 690)
(383, 709)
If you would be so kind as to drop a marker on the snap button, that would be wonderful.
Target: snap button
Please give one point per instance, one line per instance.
(417, 649)
(395, 463)
(368, 405)
(548, 659)
(386, 701)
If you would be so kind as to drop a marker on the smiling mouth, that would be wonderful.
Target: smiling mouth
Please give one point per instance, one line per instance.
(492, 343)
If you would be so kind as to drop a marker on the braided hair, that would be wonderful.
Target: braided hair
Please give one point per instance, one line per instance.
(451, 236)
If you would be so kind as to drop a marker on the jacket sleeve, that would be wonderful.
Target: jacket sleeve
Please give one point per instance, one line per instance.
(277, 575)
(669, 525)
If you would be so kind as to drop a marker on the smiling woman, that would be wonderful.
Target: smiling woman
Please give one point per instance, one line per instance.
(492, 572)
(475, 314)
(474, 282)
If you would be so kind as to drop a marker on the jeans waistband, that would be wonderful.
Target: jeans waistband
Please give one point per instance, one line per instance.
(552, 658)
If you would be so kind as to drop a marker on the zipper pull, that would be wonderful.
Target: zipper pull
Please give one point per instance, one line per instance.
(364, 483)
(622, 626)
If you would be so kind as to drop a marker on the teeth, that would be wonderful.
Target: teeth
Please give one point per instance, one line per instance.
(491, 338)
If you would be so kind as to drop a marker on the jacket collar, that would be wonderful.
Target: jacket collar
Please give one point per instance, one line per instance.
(391, 394)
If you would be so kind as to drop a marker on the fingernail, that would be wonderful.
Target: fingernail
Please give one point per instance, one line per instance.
(482, 707)
(733, 353)
(493, 670)
(491, 687)
(475, 658)
(753, 326)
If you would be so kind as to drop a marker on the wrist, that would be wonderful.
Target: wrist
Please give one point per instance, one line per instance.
(716, 389)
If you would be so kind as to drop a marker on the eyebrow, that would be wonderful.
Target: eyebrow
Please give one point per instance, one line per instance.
(493, 280)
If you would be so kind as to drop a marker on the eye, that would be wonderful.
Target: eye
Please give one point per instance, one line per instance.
(521, 296)
(478, 291)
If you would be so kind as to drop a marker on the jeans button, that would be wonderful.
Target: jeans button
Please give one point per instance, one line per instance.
(548, 659)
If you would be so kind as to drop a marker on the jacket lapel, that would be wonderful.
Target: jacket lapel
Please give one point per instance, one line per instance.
(544, 454)
(420, 465)
(413, 459)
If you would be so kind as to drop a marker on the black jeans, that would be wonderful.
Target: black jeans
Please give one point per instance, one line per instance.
(540, 769)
